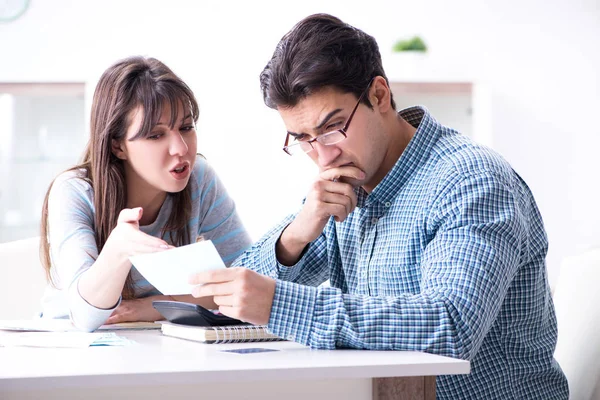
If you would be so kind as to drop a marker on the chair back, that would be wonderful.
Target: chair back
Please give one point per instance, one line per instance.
(22, 279)
(577, 303)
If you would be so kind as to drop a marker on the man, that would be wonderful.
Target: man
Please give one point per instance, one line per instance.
(430, 241)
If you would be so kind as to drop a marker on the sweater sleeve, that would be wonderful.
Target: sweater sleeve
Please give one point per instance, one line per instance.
(73, 247)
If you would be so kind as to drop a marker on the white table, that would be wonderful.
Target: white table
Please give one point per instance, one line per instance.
(160, 367)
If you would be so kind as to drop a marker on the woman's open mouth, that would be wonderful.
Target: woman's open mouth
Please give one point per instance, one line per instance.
(181, 171)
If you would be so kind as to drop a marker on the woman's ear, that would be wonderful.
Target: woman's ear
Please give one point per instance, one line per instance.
(117, 150)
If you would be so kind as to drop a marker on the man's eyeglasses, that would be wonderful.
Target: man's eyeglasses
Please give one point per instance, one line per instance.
(326, 139)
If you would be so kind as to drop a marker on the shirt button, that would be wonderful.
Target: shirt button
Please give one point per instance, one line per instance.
(374, 221)
(387, 204)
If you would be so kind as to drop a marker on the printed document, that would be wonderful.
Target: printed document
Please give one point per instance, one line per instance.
(169, 270)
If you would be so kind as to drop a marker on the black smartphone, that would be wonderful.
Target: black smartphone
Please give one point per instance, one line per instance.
(183, 313)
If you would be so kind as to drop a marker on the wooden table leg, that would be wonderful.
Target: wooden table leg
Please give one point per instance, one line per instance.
(405, 388)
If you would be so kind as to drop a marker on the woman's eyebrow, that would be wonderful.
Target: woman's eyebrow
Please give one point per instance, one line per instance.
(183, 119)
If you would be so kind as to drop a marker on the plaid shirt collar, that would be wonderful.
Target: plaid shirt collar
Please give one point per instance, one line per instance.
(416, 153)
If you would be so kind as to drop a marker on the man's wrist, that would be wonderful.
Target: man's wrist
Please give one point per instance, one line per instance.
(288, 248)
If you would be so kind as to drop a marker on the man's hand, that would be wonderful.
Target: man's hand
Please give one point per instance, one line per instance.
(329, 196)
(238, 292)
(136, 310)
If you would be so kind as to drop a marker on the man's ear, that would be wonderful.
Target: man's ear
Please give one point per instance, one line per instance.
(380, 97)
(117, 150)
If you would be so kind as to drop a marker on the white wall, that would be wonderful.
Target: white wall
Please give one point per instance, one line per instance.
(47, 137)
(539, 60)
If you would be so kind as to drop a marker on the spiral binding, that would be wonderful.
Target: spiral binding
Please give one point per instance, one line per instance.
(242, 333)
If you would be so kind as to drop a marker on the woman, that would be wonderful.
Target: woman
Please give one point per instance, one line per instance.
(139, 189)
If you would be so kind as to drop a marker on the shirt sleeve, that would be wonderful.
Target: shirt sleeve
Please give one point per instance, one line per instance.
(311, 269)
(73, 247)
(219, 220)
(478, 227)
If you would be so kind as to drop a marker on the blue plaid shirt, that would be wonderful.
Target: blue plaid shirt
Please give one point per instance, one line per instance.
(446, 255)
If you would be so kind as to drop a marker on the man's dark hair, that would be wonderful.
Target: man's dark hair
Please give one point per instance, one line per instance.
(320, 51)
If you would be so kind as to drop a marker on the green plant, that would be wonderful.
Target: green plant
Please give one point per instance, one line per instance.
(414, 44)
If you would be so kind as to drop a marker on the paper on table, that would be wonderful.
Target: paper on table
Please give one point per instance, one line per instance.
(65, 325)
(62, 339)
(169, 270)
(37, 325)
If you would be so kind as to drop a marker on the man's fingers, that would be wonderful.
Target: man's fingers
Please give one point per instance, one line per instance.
(214, 289)
(348, 171)
(224, 301)
(340, 188)
(335, 199)
(213, 276)
(338, 211)
(230, 311)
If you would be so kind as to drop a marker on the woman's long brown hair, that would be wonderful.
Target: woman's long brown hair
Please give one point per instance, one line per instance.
(132, 82)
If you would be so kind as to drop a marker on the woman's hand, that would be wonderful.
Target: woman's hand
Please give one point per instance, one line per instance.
(102, 284)
(127, 240)
(136, 310)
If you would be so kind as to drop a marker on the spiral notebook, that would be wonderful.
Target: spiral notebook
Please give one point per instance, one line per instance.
(219, 334)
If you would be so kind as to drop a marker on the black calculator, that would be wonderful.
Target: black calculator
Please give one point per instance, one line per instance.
(179, 312)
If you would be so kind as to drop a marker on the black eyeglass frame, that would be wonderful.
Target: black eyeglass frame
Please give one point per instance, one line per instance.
(321, 138)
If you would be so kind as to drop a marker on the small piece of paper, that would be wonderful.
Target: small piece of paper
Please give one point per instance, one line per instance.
(251, 350)
(169, 271)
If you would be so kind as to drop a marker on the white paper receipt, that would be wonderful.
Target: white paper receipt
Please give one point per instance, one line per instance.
(169, 270)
